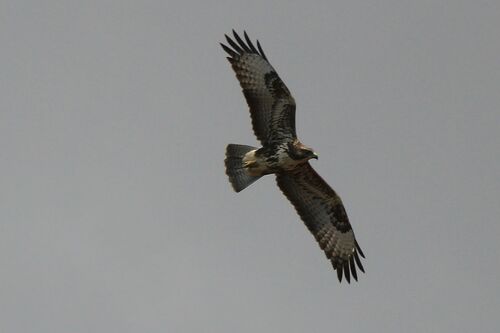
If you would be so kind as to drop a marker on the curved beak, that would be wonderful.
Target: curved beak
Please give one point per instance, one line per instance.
(315, 156)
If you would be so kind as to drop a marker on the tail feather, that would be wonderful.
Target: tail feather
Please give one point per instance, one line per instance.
(238, 176)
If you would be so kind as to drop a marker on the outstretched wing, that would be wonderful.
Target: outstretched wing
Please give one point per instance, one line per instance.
(272, 107)
(324, 215)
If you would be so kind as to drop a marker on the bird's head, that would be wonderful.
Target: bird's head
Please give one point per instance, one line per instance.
(299, 151)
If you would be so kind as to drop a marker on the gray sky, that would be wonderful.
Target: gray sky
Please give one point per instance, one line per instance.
(116, 214)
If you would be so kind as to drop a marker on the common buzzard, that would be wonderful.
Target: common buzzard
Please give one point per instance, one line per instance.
(272, 110)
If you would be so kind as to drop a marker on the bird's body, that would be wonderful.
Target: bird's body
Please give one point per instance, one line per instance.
(274, 159)
(272, 108)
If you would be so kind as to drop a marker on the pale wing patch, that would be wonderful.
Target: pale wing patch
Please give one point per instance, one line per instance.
(335, 243)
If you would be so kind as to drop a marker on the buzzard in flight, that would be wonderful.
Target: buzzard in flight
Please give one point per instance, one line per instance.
(272, 110)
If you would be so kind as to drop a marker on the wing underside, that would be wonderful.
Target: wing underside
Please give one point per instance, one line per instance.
(272, 107)
(324, 215)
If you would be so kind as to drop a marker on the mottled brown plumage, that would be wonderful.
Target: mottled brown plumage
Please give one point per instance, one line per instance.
(272, 109)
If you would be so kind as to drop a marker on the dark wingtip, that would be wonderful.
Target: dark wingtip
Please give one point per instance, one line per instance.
(229, 51)
(249, 42)
(241, 42)
(347, 272)
(353, 268)
(240, 46)
(358, 261)
(359, 250)
(339, 272)
(261, 51)
(234, 45)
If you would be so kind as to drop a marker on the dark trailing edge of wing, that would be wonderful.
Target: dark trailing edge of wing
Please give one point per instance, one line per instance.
(241, 46)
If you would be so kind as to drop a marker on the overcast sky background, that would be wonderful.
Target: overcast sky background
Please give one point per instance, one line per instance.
(116, 214)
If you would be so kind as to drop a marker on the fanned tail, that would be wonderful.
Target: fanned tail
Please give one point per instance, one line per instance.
(238, 175)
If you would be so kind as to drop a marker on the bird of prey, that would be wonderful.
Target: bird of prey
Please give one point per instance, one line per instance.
(272, 109)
